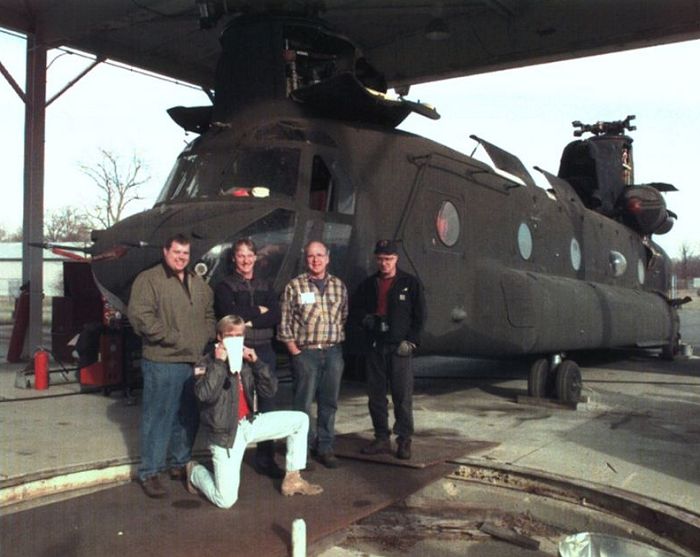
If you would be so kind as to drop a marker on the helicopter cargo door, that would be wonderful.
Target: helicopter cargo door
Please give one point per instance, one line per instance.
(434, 241)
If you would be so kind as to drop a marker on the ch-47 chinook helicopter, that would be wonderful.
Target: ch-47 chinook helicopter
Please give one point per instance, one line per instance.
(300, 144)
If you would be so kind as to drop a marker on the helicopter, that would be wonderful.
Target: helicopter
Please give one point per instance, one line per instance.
(300, 144)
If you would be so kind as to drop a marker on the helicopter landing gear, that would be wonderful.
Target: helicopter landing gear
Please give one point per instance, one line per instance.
(568, 382)
(540, 383)
(555, 378)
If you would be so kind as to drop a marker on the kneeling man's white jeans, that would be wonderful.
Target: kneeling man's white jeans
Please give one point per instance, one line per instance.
(221, 488)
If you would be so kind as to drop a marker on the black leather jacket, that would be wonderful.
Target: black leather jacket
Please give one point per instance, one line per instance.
(217, 393)
(405, 310)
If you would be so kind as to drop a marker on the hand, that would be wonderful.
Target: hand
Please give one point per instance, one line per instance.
(406, 348)
(220, 352)
(249, 355)
(368, 322)
(292, 348)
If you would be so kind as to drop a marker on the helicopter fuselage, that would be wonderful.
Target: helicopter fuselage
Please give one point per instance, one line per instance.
(508, 269)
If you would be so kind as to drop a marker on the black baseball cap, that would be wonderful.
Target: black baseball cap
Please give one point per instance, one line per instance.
(386, 247)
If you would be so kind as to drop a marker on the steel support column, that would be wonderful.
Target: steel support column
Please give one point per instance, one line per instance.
(33, 223)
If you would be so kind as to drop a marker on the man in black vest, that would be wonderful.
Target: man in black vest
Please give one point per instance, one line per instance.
(390, 307)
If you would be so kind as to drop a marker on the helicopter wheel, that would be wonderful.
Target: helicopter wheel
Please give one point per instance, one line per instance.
(568, 381)
(670, 351)
(539, 382)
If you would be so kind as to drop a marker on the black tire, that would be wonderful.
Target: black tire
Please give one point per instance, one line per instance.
(670, 351)
(539, 382)
(568, 381)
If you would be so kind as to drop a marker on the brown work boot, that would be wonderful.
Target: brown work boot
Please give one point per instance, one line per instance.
(153, 488)
(188, 477)
(403, 448)
(380, 445)
(294, 484)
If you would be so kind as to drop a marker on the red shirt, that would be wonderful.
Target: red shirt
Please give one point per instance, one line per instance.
(383, 287)
(243, 408)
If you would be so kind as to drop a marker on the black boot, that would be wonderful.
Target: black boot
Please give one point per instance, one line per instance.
(265, 461)
(403, 448)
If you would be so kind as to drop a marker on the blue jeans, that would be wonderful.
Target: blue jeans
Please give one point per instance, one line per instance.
(221, 487)
(316, 376)
(169, 416)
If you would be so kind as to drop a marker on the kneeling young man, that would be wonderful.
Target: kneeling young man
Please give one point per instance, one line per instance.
(228, 415)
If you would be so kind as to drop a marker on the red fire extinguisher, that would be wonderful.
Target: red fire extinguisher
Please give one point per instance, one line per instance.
(41, 369)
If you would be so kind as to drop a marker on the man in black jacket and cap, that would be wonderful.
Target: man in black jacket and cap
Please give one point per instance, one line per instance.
(390, 308)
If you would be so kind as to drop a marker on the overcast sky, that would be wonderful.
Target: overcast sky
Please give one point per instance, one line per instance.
(527, 111)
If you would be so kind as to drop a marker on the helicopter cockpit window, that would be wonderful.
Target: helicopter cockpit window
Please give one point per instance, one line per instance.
(447, 224)
(260, 172)
(250, 172)
(191, 177)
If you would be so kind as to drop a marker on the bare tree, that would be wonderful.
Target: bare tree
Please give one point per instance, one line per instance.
(67, 224)
(6, 236)
(118, 186)
(687, 266)
(686, 257)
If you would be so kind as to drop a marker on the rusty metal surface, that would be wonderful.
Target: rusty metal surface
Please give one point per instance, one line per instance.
(658, 517)
(402, 530)
(122, 521)
(428, 448)
(448, 518)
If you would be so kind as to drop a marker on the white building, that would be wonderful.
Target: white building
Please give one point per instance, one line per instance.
(11, 270)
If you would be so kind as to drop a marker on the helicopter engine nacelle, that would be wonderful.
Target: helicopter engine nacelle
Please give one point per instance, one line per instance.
(644, 210)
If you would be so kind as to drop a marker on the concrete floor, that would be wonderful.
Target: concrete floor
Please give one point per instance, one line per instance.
(638, 431)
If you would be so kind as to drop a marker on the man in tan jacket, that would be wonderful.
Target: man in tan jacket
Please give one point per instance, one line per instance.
(171, 309)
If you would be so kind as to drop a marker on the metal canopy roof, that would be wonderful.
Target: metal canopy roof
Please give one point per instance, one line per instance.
(163, 36)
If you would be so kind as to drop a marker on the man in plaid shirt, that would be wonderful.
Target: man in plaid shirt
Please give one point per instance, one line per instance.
(314, 309)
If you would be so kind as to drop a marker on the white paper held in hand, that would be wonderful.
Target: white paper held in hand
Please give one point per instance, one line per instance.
(234, 349)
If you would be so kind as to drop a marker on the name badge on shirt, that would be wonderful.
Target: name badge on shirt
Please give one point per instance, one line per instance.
(308, 297)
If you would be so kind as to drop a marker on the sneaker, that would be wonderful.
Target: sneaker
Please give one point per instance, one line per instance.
(403, 449)
(294, 484)
(328, 459)
(378, 446)
(153, 488)
(188, 477)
